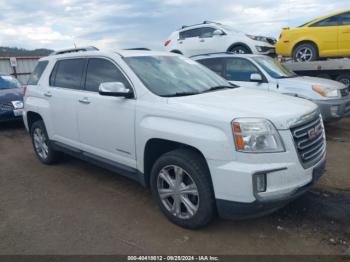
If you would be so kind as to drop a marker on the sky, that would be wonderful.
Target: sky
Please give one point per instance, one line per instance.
(113, 24)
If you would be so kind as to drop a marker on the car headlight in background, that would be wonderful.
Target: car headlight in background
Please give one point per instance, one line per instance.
(326, 91)
(258, 38)
(17, 104)
(254, 135)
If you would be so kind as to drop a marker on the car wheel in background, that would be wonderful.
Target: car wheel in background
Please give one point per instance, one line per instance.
(41, 143)
(345, 79)
(240, 50)
(181, 185)
(305, 53)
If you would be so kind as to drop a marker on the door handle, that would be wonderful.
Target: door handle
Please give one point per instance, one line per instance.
(202, 40)
(180, 42)
(48, 94)
(85, 100)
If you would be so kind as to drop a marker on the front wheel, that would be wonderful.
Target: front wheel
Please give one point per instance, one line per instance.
(181, 185)
(305, 53)
(240, 50)
(345, 79)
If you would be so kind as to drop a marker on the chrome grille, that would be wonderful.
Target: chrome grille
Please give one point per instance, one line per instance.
(6, 106)
(309, 139)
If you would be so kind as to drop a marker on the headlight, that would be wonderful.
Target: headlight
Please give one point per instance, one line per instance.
(253, 135)
(258, 38)
(326, 91)
(17, 104)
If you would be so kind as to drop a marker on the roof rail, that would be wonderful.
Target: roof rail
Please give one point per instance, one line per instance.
(73, 50)
(139, 48)
(204, 22)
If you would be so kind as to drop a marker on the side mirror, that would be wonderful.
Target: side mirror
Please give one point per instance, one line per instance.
(114, 89)
(256, 78)
(218, 32)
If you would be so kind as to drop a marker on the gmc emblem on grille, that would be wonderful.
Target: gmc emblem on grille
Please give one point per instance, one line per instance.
(314, 132)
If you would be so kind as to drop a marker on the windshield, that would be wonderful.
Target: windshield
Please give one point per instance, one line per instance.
(8, 82)
(174, 75)
(274, 68)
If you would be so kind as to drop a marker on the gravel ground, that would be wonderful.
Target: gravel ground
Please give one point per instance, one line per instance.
(77, 208)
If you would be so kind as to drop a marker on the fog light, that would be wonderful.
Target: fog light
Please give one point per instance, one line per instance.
(334, 111)
(260, 182)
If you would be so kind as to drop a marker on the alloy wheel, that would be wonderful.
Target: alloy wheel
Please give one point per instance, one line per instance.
(178, 192)
(304, 54)
(40, 143)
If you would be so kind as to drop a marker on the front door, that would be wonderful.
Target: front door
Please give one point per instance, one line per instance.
(105, 123)
(344, 35)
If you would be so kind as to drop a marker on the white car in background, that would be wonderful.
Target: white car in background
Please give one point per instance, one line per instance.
(211, 37)
(264, 73)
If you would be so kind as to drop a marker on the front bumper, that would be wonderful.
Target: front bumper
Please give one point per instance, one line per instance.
(334, 109)
(266, 50)
(10, 115)
(262, 206)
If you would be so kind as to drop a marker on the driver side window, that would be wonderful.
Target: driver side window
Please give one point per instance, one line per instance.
(207, 32)
(240, 69)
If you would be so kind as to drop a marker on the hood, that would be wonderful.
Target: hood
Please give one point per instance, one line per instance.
(283, 111)
(310, 81)
(13, 94)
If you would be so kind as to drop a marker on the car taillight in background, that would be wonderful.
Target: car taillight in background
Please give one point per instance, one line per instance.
(167, 42)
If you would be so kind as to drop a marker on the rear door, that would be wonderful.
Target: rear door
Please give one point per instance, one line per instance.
(63, 95)
(106, 124)
(189, 41)
(344, 35)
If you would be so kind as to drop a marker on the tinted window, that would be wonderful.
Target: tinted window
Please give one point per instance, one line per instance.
(215, 64)
(190, 33)
(331, 21)
(345, 19)
(69, 73)
(38, 71)
(207, 32)
(239, 69)
(8, 82)
(100, 71)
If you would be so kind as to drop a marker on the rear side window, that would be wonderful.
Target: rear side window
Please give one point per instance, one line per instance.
(68, 73)
(190, 33)
(240, 69)
(216, 64)
(101, 71)
(38, 71)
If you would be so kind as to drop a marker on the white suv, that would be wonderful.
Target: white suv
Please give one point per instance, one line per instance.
(201, 144)
(211, 37)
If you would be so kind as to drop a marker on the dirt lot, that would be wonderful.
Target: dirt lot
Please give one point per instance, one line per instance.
(77, 208)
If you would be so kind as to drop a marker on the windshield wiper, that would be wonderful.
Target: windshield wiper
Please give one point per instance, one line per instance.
(214, 88)
(181, 94)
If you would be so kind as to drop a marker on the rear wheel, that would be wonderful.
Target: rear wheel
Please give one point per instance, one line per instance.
(240, 50)
(345, 79)
(181, 185)
(305, 53)
(41, 143)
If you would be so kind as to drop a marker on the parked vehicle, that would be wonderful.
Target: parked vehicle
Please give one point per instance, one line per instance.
(265, 73)
(210, 37)
(11, 98)
(327, 36)
(162, 119)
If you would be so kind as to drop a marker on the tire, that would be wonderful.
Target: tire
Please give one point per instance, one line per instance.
(42, 145)
(240, 49)
(305, 53)
(195, 209)
(345, 79)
